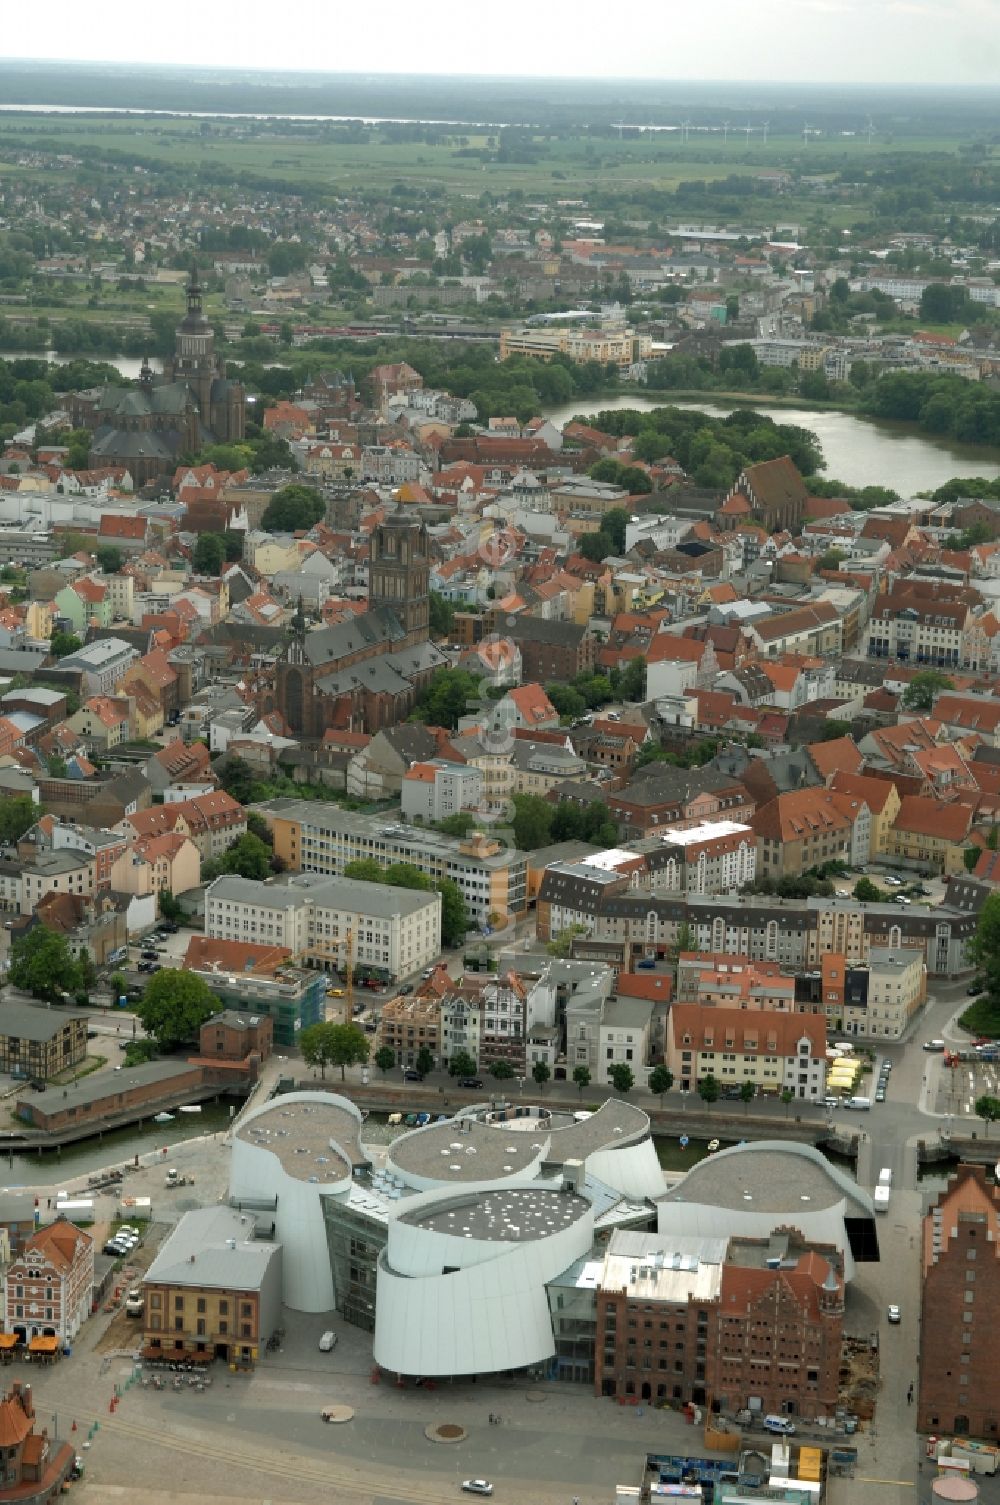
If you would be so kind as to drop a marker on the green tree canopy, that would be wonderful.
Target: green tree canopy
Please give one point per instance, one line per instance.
(340, 1045)
(868, 892)
(622, 1077)
(661, 1079)
(924, 688)
(532, 821)
(709, 1089)
(62, 643)
(502, 1070)
(365, 870)
(248, 856)
(109, 558)
(174, 1006)
(540, 1073)
(42, 964)
(461, 1064)
(17, 815)
(236, 778)
(425, 1061)
(454, 914)
(385, 1058)
(209, 554)
(988, 1109)
(293, 509)
(581, 1076)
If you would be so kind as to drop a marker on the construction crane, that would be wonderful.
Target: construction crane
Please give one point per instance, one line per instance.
(349, 975)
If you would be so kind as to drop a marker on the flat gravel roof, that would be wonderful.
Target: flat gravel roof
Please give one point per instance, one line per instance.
(300, 1134)
(517, 1215)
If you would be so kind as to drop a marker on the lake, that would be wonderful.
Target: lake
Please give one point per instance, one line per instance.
(858, 451)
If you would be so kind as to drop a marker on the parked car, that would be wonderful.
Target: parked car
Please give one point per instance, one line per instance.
(328, 1342)
(779, 1424)
(647, 963)
(405, 989)
(477, 1486)
(473, 1083)
(895, 1316)
(412, 1076)
(935, 1046)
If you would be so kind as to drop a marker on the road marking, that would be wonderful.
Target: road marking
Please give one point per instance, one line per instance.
(903, 1483)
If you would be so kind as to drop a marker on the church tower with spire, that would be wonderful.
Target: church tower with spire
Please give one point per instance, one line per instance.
(221, 402)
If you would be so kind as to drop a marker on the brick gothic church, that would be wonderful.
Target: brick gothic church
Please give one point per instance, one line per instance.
(147, 427)
(364, 674)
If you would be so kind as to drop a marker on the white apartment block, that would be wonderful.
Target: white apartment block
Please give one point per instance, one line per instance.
(434, 790)
(325, 921)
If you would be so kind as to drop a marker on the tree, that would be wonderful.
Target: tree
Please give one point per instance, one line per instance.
(970, 857)
(406, 875)
(385, 1058)
(350, 1047)
(748, 1092)
(42, 964)
(442, 615)
(532, 821)
(171, 908)
(868, 892)
(174, 1007)
(661, 1079)
(787, 1097)
(425, 1061)
(461, 1064)
(209, 554)
(502, 1070)
(365, 870)
(540, 1073)
(86, 976)
(293, 509)
(316, 1045)
(249, 857)
(62, 643)
(621, 1076)
(708, 1090)
(109, 558)
(454, 912)
(988, 1109)
(17, 816)
(236, 778)
(581, 1076)
(563, 943)
(924, 688)
(138, 1052)
(259, 827)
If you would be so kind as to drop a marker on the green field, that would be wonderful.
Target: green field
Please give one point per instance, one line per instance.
(570, 165)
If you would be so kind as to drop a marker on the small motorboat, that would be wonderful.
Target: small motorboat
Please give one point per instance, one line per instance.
(713, 1145)
(163, 1118)
(190, 1108)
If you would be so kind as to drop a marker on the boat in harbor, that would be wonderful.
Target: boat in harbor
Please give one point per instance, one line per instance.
(163, 1118)
(190, 1108)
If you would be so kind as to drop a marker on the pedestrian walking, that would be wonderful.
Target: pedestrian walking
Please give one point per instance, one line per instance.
(492, 1418)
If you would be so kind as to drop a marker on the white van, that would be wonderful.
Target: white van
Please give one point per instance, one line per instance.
(859, 1104)
(328, 1342)
(779, 1424)
(885, 1177)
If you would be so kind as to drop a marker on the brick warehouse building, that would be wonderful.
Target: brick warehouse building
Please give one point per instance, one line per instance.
(959, 1308)
(709, 1319)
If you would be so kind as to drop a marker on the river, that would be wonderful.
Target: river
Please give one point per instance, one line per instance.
(858, 451)
(128, 365)
(56, 1167)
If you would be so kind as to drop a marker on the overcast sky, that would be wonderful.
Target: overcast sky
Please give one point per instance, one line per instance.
(896, 41)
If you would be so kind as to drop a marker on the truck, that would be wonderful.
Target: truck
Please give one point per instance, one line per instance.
(134, 1303)
(859, 1104)
(881, 1198)
(885, 1177)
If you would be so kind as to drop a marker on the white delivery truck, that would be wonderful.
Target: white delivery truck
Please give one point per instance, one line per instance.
(881, 1198)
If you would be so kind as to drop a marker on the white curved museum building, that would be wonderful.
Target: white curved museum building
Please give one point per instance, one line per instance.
(461, 1283)
(288, 1155)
